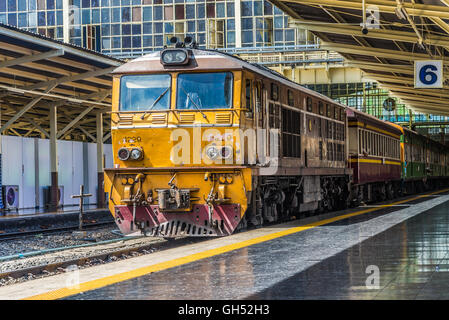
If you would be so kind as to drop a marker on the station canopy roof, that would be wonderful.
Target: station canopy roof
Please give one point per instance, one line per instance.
(408, 31)
(39, 73)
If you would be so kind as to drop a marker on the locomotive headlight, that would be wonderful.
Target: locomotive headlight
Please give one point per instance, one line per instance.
(174, 56)
(123, 154)
(212, 152)
(136, 154)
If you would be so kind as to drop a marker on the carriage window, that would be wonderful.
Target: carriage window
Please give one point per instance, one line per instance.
(274, 92)
(309, 103)
(336, 113)
(194, 90)
(321, 107)
(248, 95)
(290, 97)
(145, 92)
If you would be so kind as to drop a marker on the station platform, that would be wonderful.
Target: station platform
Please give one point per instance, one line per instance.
(329, 257)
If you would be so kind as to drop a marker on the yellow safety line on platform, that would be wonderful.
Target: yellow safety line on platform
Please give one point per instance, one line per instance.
(99, 283)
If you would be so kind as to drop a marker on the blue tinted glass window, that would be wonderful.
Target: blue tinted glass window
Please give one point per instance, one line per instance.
(289, 35)
(51, 18)
(158, 40)
(137, 2)
(126, 14)
(32, 19)
(278, 35)
(193, 90)
(277, 11)
(96, 16)
(105, 16)
(59, 18)
(105, 3)
(3, 7)
(191, 26)
(41, 18)
(190, 11)
(116, 43)
(136, 29)
(201, 38)
(247, 8)
(95, 3)
(125, 2)
(12, 19)
(137, 43)
(3, 18)
(168, 26)
(258, 8)
(22, 5)
(126, 29)
(105, 29)
(278, 22)
(12, 6)
(115, 3)
(247, 23)
(147, 14)
(58, 4)
(116, 15)
(148, 28)
(116, 30)
(158, 27)
(201, 25)
(86, 3)
(147, 41)
(267, 8)
(86, 16)
(157, 14)
(200, 11)
(142, 92)
(50, 4)
(230, 37)
(126, 42)
(247, 36)
(23, 21)
(230, 9)
(220, 10)
(106, 43)
(60, 32)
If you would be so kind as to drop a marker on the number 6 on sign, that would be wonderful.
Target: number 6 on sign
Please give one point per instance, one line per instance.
(429, 74)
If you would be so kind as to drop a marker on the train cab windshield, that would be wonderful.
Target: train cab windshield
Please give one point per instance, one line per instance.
(204, 91)
(145, 92)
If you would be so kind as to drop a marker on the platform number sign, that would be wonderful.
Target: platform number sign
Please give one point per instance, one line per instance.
(429, 74)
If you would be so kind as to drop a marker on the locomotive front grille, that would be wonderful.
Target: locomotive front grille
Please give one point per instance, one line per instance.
(223, 118)
(158, 118)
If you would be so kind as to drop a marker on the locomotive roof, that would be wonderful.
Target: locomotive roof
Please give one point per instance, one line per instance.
(361, 116)
(210, 60)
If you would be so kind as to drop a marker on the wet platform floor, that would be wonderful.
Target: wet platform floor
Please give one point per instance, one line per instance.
(407, 244)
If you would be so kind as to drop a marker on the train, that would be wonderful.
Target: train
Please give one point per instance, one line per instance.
(205, 144)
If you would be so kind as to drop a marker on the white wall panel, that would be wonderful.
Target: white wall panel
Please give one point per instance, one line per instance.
(44, 168)
(65, 169)
(77, 178)
(107, 149)
(28, 176)
(12, 163)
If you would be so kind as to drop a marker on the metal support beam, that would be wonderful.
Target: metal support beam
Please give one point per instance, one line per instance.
(413, 9)
(53, 158)
(106, 137)
(31, 58)
(74, 121)
(100, 165)
(25, 109)
(81, 76)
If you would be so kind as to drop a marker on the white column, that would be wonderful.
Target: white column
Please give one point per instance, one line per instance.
(66, 20)
(238, 23)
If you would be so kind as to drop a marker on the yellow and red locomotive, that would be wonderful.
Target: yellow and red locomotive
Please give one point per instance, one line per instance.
(205, 143)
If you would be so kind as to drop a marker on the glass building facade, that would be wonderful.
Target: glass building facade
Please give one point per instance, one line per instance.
(132, 27)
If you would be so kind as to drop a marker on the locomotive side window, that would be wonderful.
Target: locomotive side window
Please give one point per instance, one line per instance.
(336, 113)
(321, 107)
(309, 103)
(291, 129)
(248, 99)
(145, 92)
(274, 92)
(290, 98)
(328, 111)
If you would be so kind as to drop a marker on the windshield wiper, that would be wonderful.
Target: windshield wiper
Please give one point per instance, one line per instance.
(194, 104)
(154, 103)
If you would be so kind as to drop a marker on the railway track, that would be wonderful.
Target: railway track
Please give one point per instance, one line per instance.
(26, 233)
